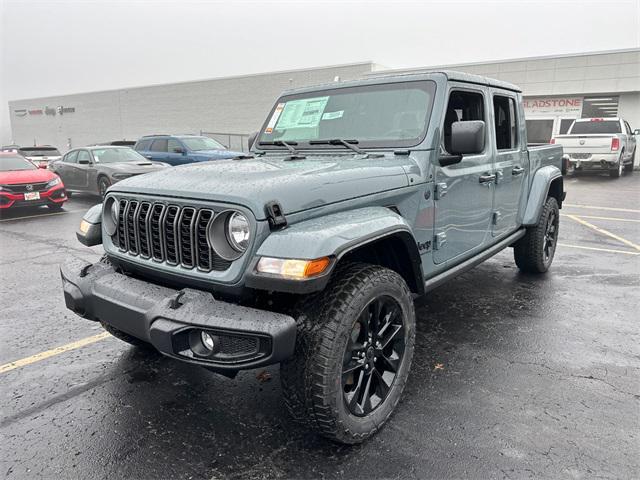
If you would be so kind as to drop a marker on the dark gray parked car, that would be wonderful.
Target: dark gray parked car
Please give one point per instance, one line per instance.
(94, 169)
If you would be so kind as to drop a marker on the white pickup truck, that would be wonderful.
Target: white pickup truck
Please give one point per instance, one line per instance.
(599, 144)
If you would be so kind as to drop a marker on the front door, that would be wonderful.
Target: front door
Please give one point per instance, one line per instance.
(511, 161)
(81, 169)
(464, 191)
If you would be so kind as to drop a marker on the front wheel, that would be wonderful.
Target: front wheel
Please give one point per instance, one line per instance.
(534, 252)
(55, 207)
(103, 185)
(353, 352)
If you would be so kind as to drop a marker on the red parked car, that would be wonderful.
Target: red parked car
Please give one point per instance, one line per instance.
(22, 184)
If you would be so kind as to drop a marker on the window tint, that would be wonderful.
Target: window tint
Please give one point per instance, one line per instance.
(565, 124)
(172, 144)
(462, 106)
(596, 126)
(504, 112)
(83, 155)
(159, 145)
(539, 131)
(143, 145)
(71, 157)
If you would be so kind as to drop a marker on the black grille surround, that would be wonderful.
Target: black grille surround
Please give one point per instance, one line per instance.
(168, 233)
(23, 187)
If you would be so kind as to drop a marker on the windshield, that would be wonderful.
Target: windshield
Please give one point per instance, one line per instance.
(11, 163)
(201, 143)
(40, 152)
(115, 155)
(596, 126)
(384, 115)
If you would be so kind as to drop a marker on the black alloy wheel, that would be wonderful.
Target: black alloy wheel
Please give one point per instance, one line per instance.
(373, 354)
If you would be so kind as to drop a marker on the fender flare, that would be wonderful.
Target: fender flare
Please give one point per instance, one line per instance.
(334, 236)
(540, 185)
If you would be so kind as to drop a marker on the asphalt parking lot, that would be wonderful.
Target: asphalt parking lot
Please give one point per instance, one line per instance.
(514, 376)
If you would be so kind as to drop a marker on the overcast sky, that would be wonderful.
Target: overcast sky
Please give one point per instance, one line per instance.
(58, 47)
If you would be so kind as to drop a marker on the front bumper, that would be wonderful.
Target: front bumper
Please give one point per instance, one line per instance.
(53, 196)
(171, 320)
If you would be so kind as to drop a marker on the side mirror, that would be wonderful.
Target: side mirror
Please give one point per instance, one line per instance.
(179, 150)
(467, 137)
(636, 131)
(251, 140)
(84, 162)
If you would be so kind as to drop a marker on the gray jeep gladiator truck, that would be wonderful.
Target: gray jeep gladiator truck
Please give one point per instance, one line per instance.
(357, 198)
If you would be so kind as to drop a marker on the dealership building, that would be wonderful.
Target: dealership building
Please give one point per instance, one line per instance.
(557, 90)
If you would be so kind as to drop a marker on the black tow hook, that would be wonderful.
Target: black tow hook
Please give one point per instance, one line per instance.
(175, 302)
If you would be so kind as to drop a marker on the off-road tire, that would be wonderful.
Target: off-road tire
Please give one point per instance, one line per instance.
(529, 251)
(125, 337)
(312, 378)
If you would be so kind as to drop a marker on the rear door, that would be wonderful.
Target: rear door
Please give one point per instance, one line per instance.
(81, 169)
(158, 150)
(511, 161)
(464, 191)
(64, 168)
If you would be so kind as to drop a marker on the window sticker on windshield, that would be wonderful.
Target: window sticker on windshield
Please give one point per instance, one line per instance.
(305, 113)
(333, 115)
(274, 118)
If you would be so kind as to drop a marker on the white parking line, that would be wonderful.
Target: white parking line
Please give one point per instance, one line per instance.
(42, 215)
(593, 207)
(615, 219)
(598, 249)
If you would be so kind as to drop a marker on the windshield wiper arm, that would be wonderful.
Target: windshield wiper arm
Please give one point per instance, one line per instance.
(282, 143)
(339, 141)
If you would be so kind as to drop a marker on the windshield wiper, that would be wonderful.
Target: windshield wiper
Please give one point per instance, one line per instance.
(294, 153)
(351, 144)
(281, 143)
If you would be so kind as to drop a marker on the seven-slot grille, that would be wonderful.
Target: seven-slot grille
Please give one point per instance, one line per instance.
(175, 235)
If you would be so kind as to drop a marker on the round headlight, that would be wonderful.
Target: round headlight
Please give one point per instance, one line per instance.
(238, 231)
(228, 234)
(110, 216)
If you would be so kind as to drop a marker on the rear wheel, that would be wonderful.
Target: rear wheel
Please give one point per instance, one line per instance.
(629, 166)
(353, 353)
(534, 252)
(616, 172)
(103, 184)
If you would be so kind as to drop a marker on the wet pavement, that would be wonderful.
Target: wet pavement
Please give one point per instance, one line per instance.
(514, 376)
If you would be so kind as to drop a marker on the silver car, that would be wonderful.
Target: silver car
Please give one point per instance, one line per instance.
(94, 169)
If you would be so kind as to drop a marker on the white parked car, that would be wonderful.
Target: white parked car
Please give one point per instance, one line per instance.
(599, 144)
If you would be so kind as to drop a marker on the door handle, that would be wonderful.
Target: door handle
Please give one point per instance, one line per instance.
(517, 171)
(487, 178)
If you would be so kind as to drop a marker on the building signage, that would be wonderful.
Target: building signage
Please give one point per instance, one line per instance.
(59, 110)
(552, 106)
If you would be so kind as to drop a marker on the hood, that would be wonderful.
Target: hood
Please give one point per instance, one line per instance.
(133, 167)
(296, 184)
(26, 176)
(217, 153)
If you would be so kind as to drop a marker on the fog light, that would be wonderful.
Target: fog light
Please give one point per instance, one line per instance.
(208, 341)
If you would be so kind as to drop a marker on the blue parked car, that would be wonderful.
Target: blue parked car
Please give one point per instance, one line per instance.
(181, 149)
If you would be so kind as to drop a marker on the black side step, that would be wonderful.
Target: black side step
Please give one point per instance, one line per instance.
(468, 264)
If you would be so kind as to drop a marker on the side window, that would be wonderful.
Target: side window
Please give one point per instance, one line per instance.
(504, 112)
(159, 145)
(173, 144)
(71, 157)
(462, 106)
(143, 145)
(83, 156)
